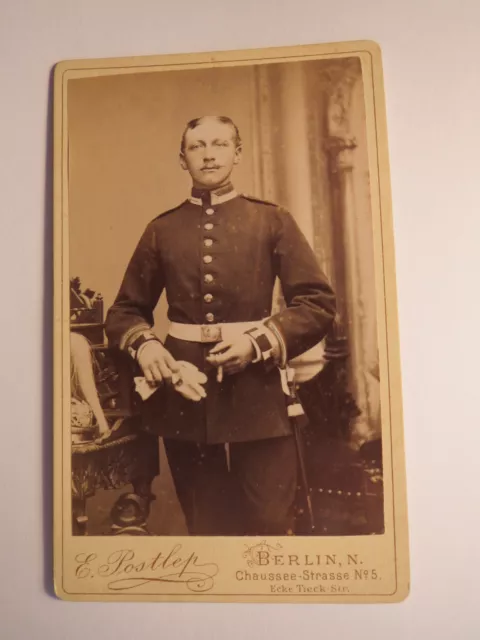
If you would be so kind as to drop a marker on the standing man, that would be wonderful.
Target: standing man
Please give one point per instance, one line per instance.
(218, 255)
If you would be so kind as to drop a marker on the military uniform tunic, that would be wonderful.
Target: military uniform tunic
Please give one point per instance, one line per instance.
(217, 260)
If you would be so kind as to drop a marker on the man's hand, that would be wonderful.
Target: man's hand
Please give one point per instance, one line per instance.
(232, 355)
(159, 366)
(156, 362)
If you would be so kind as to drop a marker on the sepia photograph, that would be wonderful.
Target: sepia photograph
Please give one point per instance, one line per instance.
(225, 370)
(236, 235)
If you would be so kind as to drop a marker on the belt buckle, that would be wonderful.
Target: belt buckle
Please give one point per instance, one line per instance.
(211, 333)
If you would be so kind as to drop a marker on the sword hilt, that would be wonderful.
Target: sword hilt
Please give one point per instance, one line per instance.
(294, 407)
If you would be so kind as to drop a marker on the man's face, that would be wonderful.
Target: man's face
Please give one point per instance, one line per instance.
(210, 153)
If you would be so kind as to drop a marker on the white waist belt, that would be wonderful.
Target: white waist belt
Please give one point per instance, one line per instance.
(306, 366)
(210, 332)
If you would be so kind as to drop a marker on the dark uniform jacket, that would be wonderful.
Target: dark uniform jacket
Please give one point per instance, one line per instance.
(218, 261)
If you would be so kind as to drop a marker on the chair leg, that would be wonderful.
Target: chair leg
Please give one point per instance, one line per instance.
(79, 517)
(130, 512)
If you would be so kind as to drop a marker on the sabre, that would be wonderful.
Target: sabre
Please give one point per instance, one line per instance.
(295, 410)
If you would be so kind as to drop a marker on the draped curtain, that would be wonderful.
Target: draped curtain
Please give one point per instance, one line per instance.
(310, 155)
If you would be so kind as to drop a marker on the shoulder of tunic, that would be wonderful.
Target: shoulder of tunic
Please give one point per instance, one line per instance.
(166, 214)
(267, 203)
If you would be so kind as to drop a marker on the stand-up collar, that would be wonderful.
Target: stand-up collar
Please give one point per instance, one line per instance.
(216, 196)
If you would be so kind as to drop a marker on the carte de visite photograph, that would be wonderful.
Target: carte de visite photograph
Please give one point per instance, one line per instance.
(225, 283)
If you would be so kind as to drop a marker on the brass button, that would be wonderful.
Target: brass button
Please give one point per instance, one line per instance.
(208, 297)
(208, 242)
(209, 317)
(208, 278)
(207, 259)
(208, 226)
(209, 211)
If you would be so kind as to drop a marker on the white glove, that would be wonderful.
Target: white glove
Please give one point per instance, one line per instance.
(187, 381)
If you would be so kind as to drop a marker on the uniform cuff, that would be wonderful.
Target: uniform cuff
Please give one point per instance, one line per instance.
(278, 343)
(266, 346)
(258, 353)
(132, 334)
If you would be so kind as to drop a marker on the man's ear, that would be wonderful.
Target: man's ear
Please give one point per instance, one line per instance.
(238, 154)
(183, 163)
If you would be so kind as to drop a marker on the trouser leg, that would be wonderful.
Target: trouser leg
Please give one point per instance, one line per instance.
(201, 480)
(265, 476)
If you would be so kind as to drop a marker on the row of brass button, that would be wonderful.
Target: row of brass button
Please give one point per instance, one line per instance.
(208, 277)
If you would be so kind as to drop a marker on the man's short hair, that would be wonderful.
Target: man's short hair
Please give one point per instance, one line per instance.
(193, 124)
